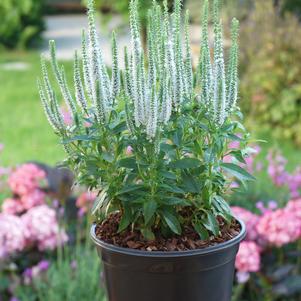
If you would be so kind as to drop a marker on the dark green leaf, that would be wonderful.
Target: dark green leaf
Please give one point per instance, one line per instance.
(130, 188)
(108, 157)
(119, 128)
(234, 137)
(186, 163)
(172, 201)
(79, 138)
(203, 126)
(177, 138)
(201, 230)
(211, 224)
(172, 188)
(172, 222)
(125, 220)
(129, 162)
(190, 184)
(168, 175)
(149, 210)
(228, 127)
(167, 147)
(148, 234)
(100, 201)
(237, 171)
(237, 154)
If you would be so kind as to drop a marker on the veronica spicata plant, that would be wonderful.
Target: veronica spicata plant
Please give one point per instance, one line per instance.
(152, 137)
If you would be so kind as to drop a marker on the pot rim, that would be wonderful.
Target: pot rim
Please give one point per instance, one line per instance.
(205, 251)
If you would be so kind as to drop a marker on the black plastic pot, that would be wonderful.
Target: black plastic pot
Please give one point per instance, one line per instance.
(198, 275)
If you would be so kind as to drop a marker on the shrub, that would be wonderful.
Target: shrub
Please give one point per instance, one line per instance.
(178, 133)
(21, 22)
(271, 85)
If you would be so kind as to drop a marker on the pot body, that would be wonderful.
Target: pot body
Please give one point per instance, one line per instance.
(198, 275)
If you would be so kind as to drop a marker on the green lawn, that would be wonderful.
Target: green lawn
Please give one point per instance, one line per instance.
(23, 128)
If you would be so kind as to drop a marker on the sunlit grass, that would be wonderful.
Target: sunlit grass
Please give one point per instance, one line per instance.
(23, 128)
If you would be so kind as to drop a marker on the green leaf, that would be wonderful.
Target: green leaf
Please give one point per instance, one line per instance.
(203, 126)
(168, 175)
(211, 224)
(130, 188)
(129, 162)
(99, 202)
(237, 171)
(172, 188)
(228, 127)
(190, 184)
(125, 220)
(119, 128)
(172, 222)
(108, 157)
(149, 210)
(186, 163)
(201, 230)
(148, 234)
(237, 154)
(173, 201)
(166, 148)
(206, 193)
(234, 137)
(222, 207)
(177, 138)
(79, 138)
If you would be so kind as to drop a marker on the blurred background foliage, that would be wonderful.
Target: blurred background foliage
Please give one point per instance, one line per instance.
(21, 22)
(270, 72)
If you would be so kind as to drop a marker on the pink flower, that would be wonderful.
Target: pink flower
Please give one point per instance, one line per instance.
(276, 168)
(242, 277)
(249, 218)
(294, 207)
(25, 179)
(35, 198)
(35, 271)
(250, 160)
(294, 183)
(27, 201)
(85, 201)
(12, 206)
(129, 151)
(11, 234)
(279, 227)
(272, 205)
(248, 257)
(67, 117)
(42, 228)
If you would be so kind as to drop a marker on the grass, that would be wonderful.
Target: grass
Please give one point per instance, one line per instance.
(24, 130)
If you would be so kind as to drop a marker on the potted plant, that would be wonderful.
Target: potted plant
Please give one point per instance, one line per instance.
(154, 140)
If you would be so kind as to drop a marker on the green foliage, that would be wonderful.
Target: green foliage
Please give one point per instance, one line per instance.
(271, 85)
(122, 7)
(179, 134)
(76, 277)
(21, 22)
(293, 6)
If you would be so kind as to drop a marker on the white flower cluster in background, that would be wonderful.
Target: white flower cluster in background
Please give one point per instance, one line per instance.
(156, 82)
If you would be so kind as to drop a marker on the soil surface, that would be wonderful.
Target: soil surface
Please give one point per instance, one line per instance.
(189, 240)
